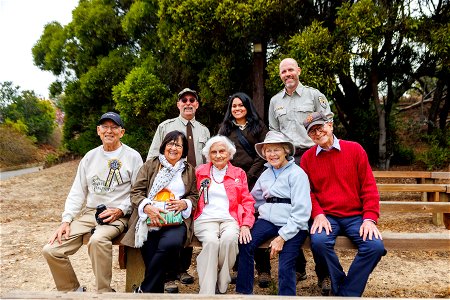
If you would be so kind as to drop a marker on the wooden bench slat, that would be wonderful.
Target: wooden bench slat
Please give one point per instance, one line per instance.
(440, 175)
(412, 206)
(402, 174)
(393, 187)
(416, 241)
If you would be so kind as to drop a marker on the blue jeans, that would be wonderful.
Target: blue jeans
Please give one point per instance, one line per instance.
(262, 231)
(368, 256)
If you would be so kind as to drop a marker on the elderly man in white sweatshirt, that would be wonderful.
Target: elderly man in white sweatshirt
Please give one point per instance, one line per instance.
(103, 180)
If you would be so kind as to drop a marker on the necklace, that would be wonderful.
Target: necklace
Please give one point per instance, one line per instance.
(212, 174)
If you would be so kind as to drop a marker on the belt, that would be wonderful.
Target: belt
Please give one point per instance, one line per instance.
(278, 200)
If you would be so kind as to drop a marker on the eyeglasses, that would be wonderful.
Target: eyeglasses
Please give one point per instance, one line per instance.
(316, 130)
(173, 144)
(185, 100)
(113, 127)
(274, 151)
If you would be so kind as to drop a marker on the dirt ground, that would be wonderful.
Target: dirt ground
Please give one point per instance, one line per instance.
(31, 207)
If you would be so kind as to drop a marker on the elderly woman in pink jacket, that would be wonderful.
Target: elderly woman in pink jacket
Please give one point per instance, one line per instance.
(224, 215)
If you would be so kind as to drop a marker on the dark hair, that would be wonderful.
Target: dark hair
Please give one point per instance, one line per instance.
(252, 117)
(173, 137)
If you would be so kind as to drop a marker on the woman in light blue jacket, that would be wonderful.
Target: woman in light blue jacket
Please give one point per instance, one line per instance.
(283, 201)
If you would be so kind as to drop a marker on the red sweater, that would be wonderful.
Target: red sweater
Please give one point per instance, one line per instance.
(342, 183)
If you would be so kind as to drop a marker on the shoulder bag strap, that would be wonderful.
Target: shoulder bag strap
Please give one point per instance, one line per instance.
(244, 142)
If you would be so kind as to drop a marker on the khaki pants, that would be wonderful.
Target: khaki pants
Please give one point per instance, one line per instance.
(99, 250)
(219, 249)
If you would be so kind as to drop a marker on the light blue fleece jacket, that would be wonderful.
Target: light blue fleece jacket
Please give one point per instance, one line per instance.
(290, 182)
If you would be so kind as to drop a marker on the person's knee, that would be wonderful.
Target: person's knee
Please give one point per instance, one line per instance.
(376, 248)
(48, 251)
(229, 240)
(320, 241)
(211, 242)
(97, 240)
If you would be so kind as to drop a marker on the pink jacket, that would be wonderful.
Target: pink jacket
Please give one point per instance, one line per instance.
(242, 204)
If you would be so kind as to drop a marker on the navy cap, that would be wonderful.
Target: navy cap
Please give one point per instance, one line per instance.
(113, 117)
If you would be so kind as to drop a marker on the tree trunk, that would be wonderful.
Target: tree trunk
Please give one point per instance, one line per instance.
(259, 58)
(434, 110)
(382, 161)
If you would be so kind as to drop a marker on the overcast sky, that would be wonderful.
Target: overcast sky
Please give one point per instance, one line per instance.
(21, 25)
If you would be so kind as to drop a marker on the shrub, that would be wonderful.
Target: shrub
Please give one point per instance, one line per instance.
(403, 156)
(16, 148)
(437, 156)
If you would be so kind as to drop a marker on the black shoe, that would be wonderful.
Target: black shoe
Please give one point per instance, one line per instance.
(185, 278)
(171, 287)
(264, 280)
(325, 286)
(300, 276)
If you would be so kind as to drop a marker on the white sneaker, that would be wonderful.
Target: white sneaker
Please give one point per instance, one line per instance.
(80, 289)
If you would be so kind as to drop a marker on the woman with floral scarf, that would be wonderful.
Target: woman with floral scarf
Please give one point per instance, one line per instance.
(155, 226)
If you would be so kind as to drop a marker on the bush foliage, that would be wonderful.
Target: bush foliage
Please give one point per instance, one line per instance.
(16, 148)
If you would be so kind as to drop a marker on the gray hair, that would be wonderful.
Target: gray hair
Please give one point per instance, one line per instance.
(219, 139)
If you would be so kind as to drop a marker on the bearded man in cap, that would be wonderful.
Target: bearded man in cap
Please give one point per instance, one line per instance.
(197, 134)
(345, 201)
(103, 182)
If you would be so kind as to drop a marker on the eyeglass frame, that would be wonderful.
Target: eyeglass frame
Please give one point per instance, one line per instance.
(171, 144)
(313, 131)
(112, 127)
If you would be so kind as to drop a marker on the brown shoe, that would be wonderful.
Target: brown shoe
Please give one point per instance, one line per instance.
(264, 280)
(325, 286)
(171, 287)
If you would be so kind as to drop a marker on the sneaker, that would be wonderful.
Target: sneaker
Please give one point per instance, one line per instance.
(325, 286)
(81, 289)
(301, 276)
(136, 289)
(233, 276)
(264, 280)
(185, 278)
(171, 287)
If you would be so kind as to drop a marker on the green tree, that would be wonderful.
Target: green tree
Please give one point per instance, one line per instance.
(368, 57)
(134, 56)
(34, 116)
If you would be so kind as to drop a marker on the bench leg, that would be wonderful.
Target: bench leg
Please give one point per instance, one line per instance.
(440, 219)
(135, 268)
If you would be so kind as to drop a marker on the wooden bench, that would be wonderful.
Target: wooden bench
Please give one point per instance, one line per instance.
(131, 259)
(420, 176)
(423, 177)
(434, 193)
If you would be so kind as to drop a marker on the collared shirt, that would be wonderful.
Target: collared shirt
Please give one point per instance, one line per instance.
(241, 127)
(335, 145)
(200, 132)
(287, 113)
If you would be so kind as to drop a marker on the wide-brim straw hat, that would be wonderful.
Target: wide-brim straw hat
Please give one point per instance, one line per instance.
(274, 137)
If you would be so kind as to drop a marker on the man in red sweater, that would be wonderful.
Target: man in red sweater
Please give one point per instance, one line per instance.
(345, 201)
